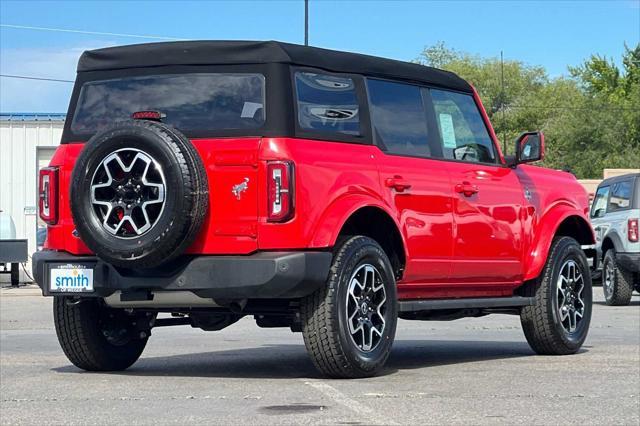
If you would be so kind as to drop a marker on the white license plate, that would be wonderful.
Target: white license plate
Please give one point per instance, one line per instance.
(71, 279)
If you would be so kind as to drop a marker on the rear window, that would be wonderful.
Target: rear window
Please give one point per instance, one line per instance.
(620, 196)
(327, 103)
(191, 102)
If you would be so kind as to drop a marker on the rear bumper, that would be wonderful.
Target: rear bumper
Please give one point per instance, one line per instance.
(262, 275)
(629, 261)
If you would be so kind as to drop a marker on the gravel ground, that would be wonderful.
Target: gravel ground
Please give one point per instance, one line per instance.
(470, 371)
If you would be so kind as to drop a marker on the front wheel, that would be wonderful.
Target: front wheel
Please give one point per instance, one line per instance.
(97, 338)
(349, 324)
(558, 322)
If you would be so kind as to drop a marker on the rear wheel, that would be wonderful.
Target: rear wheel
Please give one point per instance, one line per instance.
(349, 324)
(617, 283)
(558, 322)
(97, 338)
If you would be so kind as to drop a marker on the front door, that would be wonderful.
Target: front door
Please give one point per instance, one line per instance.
(487, 196)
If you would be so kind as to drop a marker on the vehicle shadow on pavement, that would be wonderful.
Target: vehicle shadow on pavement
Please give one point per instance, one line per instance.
(635, 302)
(289, 361)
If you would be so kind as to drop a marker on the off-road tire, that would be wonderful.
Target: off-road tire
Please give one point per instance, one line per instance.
(622, 282)
(324, 327)
(83, 341)
(187, 194)
(540, 322)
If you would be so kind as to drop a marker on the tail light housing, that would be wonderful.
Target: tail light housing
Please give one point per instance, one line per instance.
(280, 190)
(48, 195)
(632, 230)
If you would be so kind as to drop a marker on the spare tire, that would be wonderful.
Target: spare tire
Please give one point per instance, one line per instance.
(139, 194)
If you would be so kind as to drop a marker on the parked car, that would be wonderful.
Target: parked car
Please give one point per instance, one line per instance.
(41, 236)
(12, 251)
(614, 215)
(328, 192)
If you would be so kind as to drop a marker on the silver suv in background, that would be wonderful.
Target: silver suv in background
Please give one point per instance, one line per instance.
(615, 214)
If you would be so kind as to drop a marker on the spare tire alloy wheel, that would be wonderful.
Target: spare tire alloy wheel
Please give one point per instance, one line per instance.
(139, 194)
(130, 203)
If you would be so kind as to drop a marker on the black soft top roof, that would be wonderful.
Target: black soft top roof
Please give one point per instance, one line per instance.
(262, 52)
(614, 179)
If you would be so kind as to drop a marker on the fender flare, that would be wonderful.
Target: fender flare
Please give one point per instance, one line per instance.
(536, 257)
(618, 246)
(339, 211)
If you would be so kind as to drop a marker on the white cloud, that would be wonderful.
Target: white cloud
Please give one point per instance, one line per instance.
(18, 95)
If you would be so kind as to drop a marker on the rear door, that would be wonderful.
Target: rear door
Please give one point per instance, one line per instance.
(414, 183)
(487, 196)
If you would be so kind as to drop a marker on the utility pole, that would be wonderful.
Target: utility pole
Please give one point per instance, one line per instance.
(504, 128)
(306, 22)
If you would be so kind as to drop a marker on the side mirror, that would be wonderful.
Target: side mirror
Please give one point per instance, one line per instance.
(530, 147)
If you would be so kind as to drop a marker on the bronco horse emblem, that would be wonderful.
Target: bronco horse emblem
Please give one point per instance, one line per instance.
(240, 188)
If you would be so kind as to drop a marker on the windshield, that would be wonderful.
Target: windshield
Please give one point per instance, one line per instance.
(191, 102)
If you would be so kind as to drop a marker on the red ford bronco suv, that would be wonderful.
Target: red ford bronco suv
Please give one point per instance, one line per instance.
(328, 192)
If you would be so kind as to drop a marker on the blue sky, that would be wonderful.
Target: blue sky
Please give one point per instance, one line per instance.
(553, 34)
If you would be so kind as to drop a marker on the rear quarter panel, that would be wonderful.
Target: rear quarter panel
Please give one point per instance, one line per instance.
(60, 236)
(332, 180)
(615, 226)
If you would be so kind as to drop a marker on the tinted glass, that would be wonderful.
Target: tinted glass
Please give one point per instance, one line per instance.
(398, 117)
(327, 103)
(599, 206)
(462, 130)
(620, 196)
(190, 101)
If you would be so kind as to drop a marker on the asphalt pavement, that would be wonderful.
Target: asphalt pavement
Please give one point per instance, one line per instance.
(470, 371)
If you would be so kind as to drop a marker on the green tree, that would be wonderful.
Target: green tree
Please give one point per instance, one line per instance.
(607, 127)
(591, 120)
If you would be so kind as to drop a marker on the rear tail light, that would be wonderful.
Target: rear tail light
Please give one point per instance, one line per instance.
(632, 230)
(280, 190)
(48, 195)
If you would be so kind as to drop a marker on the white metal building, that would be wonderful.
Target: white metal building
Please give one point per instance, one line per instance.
(27, 143)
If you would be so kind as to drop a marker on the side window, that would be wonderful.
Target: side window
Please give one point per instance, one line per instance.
(620, 196)
(463, 132)
(398, 118)
(599, 206)
(327, 103)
